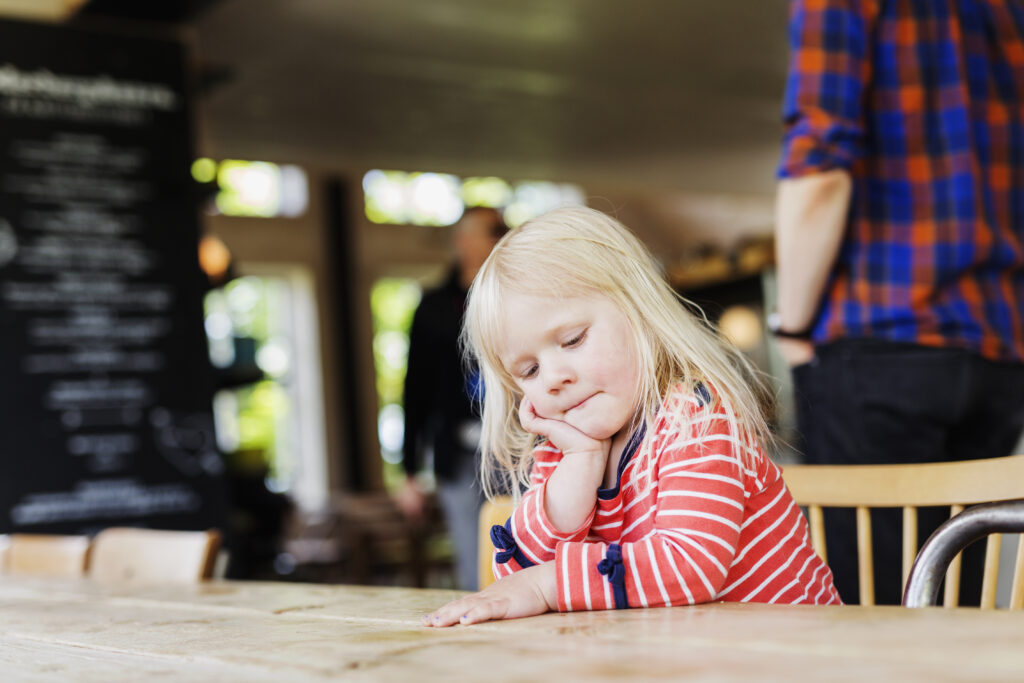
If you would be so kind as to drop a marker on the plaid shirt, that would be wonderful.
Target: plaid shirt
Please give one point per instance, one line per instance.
(923, 103)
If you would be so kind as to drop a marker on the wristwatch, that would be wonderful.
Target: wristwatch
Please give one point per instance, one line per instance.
(775, 327)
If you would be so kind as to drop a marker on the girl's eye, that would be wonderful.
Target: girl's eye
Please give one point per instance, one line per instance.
(528, 372)
(576, 340)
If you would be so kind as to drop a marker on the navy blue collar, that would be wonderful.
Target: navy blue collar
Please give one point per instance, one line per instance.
(703, 399)
(627, 454)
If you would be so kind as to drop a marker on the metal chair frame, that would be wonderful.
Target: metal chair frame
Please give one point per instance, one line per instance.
(951, 538)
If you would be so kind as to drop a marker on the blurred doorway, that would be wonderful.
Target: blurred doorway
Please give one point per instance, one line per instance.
(263, 334)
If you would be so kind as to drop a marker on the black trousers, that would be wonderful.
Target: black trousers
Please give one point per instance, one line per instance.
(872, 402)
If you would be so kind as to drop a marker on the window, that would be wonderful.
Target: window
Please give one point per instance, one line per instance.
(264, 339)
(253, 188)
(399, 198)
(393, 302)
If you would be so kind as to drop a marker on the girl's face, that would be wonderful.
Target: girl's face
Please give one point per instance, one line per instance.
(574, 359)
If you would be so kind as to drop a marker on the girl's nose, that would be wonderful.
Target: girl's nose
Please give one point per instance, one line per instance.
(557, 378)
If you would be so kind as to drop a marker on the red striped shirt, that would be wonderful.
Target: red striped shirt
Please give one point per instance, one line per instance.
(716, 522)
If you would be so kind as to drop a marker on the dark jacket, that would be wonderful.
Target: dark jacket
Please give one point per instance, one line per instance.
(438, 385)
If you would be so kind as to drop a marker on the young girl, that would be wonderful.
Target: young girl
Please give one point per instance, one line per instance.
(637, 430)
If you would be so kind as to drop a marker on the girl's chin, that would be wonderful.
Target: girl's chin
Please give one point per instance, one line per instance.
(595, 432)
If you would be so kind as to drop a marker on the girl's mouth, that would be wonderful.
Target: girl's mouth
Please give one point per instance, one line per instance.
(580, 403)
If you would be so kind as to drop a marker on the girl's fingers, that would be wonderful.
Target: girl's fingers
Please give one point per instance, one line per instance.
(470, 610)
(484, 610)
(449, 614)
(563, 435)
(439, 618)
(525, 406)
(534, 423)
(526, 415)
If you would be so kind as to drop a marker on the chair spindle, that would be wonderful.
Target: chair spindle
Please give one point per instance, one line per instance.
(909, 540)
(990, 579)
(951, 598)
(1017, 593)
(865, 558)
(818, 531)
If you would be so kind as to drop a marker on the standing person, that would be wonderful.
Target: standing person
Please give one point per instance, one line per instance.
(638, 430)
(440, 392)
(900, 242)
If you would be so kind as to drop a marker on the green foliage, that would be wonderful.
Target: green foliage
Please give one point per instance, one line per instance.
(248, 307)
(255, 307)
(393, 302)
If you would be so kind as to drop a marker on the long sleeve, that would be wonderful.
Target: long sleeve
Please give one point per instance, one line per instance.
(830, 67)
(529, 535)
(687, 540)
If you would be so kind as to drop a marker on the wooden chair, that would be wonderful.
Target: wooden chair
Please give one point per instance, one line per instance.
(491, 512)
(46, 555)
(377, 543)
(149, 555)
(953, 484)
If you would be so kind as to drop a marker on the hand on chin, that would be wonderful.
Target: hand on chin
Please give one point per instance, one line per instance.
(561, 432)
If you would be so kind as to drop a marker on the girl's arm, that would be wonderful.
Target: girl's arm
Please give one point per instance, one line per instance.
(524, 594)
(571, 492)
(696, 508)
(562, 501)
(683, 561)
(529, 537)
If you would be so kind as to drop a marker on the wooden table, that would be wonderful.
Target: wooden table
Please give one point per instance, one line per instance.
(235, 631)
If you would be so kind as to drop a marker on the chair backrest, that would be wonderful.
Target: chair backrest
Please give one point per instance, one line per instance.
(46, 555)
(150, 555)
(953, 484)
(491, 512)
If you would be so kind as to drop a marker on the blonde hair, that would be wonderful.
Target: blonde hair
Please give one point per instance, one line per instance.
(574, 252)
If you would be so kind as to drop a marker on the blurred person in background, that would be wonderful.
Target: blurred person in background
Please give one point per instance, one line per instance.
(441, 396)
(900, 244)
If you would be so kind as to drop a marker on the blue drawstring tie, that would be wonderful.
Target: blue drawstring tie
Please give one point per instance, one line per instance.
(612, 567)
(505, 542)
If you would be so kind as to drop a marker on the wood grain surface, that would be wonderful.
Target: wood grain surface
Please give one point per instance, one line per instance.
(241, 631)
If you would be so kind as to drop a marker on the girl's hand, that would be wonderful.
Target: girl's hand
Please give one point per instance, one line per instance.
(562, 435)
(526, 593)
(571, 492)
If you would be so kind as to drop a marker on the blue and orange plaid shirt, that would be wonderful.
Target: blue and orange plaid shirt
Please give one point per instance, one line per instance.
(922, 101)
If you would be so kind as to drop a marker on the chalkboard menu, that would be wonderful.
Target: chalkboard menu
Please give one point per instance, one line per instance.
(105, 383)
